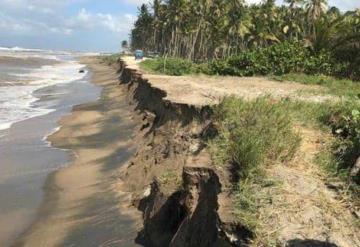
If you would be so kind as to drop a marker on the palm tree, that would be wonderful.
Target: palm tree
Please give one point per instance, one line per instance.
(124, 45)
(294, 3)
(207, 29)
(294, 19)
(238, 23)
(315, 9)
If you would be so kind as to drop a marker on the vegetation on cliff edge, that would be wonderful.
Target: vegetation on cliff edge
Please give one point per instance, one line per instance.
(257, 134)
(251, 135)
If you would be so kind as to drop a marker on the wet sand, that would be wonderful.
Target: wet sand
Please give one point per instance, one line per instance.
(26, 158)
(82, 206)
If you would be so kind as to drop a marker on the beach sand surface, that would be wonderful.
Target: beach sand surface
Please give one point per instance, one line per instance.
(82, 206)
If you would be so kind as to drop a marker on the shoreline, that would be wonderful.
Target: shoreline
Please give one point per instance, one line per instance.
(80, 196)
(26, 159)
(141, 173)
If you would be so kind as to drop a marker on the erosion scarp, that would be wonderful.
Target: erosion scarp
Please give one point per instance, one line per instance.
(182, 195)
(187, 200)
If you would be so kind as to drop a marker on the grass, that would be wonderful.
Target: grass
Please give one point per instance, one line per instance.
(254, 131)
(307, 113)
(335, 118)
(334, 86)
(173, 66)
(328, 161)
(168, 66)
(111, 59)
(251, 135)
(170, 178)
(255, 134)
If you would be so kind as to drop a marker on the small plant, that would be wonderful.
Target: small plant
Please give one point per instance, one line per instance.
(345, 123)
(170, 178)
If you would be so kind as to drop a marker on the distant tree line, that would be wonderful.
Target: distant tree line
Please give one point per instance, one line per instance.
(202, 30)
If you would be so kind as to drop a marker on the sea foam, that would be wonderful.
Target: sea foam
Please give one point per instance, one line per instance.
(17, 101)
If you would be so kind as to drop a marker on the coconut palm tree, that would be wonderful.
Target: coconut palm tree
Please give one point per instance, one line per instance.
(315, 9)
(208, 29)
(294, 3)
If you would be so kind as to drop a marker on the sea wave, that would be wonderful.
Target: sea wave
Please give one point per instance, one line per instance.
(17, 102)
(20, 49)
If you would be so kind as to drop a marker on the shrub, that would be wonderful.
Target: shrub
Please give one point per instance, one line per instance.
(347, 62)
(277, 59)
(283, 58)
(321, 63)
(344, 120)
(286, 57)
(169, 66)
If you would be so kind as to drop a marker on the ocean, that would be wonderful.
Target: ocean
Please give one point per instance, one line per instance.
(37, 88)
(24, 71)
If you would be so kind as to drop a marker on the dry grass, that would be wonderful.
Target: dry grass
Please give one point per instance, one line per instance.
(301, 204)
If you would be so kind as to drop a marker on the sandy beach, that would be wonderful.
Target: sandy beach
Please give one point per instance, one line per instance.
(81, 206)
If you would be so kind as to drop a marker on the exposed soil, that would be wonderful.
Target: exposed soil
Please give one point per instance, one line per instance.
(182, 195)
(302, 211)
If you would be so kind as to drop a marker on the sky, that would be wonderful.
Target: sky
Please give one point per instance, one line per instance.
(78, 25)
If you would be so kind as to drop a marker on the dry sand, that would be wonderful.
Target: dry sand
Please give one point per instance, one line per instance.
(81, 207)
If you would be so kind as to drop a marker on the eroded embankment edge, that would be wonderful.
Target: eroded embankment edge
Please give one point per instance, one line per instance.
(173, 181)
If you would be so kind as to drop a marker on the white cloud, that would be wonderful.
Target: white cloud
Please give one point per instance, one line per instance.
(136, 2)
(83, 16)
(39, 16)
(87, 20)
(117, 24)
(18, 25)
(7, 23)
(41, 6)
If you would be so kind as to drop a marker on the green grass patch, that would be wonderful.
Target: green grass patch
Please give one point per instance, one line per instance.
(307, 113)
(338, 156)
(334, 86)
(252, 134)
(111, 59)
(170, 66)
